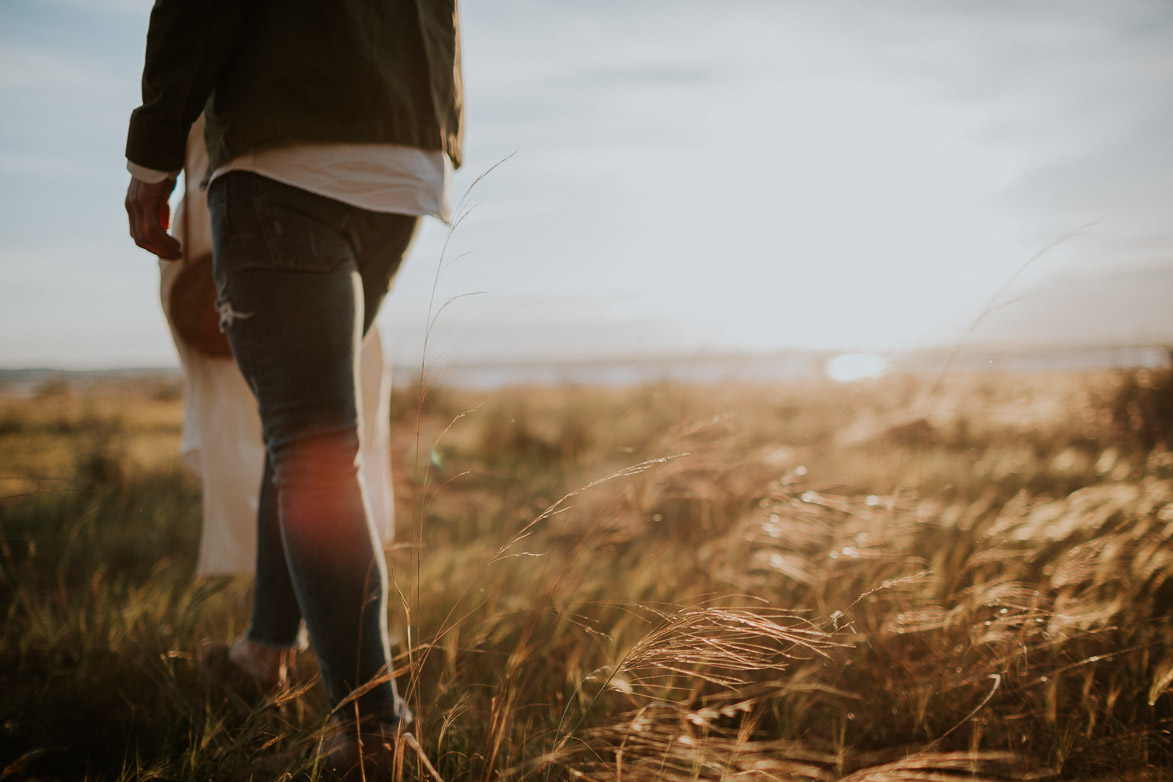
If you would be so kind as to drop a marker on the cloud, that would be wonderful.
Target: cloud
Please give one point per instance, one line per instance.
(34, 69)
(36, 165)
(134, 8)
(1078, 91)
(80, 303)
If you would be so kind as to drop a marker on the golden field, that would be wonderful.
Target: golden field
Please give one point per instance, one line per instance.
(898, 580)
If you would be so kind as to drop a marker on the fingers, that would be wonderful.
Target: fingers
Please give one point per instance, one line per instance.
(149, 216)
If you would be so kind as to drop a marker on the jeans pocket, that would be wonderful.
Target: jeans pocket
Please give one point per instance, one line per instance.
(302, 231)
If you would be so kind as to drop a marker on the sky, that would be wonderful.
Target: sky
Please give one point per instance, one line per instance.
(678, 177)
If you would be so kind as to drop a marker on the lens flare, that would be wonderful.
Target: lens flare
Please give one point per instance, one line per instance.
(855, 366)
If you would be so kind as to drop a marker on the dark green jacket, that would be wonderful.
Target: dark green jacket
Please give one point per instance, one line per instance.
(275, 72)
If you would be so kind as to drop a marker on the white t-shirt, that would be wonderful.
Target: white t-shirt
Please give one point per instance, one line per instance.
(378, 177)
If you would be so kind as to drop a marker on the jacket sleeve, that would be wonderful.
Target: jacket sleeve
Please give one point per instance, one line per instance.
(189, 44)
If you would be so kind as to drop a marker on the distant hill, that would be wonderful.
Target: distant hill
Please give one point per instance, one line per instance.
(43, 380)
(768, 368)
(1128, 308)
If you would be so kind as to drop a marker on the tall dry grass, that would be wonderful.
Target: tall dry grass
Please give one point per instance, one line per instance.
(889, 581)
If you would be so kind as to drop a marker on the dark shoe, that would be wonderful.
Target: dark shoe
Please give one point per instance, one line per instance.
(345, 754)
(377, 757)
(370, 756)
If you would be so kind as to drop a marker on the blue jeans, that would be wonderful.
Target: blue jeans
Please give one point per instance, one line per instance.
(300, 278)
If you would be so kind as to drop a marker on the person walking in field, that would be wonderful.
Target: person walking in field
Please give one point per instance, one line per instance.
(330, 129)
(221, 438)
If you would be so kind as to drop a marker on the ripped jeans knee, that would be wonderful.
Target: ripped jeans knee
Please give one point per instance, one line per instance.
(225, 311)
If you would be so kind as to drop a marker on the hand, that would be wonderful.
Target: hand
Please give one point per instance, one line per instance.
(150, 217)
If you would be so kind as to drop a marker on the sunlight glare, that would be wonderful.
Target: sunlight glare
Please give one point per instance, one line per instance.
(855, 366)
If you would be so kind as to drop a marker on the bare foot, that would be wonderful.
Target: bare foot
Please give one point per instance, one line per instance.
(264, 663)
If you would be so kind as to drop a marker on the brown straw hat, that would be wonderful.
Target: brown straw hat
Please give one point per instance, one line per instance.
(192, 301)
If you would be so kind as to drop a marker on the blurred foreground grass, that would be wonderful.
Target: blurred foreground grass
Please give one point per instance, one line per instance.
(889, 581)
